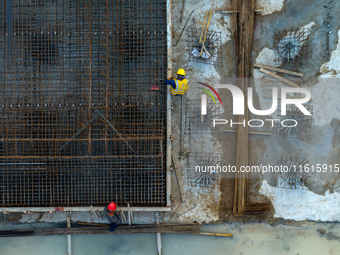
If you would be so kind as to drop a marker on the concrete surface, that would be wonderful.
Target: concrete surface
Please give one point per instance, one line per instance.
(323, 146)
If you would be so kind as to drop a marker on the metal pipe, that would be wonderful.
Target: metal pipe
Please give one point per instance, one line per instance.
(81, 209)
(168, 105)
(9, 27)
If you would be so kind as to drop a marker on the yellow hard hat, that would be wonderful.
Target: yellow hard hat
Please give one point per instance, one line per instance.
(181, 72)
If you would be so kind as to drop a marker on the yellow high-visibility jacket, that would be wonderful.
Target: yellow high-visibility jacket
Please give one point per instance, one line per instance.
(181, 87)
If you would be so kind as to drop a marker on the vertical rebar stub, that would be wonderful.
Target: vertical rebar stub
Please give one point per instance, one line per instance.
(291, 45)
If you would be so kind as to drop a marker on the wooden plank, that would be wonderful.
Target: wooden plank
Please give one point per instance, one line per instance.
(183, 5)
(205, 19)
(272, 68)
(251, 132)
(205, 34)
(235, 11)
(279, 97)
(198, 34)
(214, 234)
(280, 78)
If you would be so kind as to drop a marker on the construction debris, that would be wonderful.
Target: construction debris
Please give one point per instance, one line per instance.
(182, 12)
(195, 52)
(204, 31)
(186, 211)
(235, 11)
(204, 44)
(280, 78)
(272, 68)
(185, 25)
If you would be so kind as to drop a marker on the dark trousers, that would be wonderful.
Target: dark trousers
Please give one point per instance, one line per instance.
(112, 219)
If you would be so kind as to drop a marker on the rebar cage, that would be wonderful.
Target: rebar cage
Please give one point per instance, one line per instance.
(213, 47)
(199, 167)
(195, 123)
(79, 124)
(291, 45)
(296, 177)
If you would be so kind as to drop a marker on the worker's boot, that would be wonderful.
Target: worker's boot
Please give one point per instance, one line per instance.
(113, 227)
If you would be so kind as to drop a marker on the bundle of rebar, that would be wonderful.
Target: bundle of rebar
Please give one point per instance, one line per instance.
(302, 129)
(243, 19)
(104, 229)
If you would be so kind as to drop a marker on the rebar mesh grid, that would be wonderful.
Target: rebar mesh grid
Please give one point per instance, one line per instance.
(79, 124)
(195, 123)
(303, 128)
(213, 45)
(291, 45)
(199, 166)
(296, 177)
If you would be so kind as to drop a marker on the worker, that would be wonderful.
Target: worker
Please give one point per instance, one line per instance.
(178, 85)
(112, 216)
